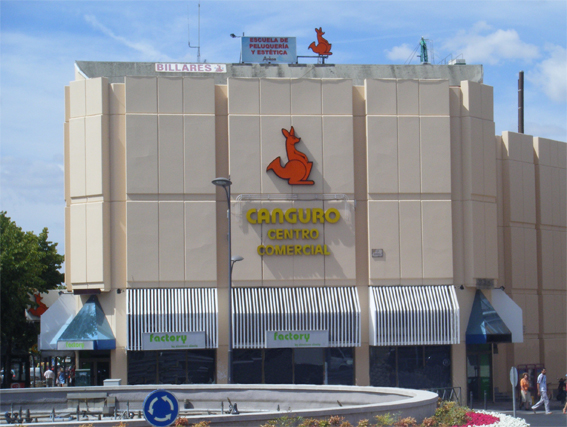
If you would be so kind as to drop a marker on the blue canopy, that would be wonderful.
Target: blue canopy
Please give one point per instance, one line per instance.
(89, 330)
(485, 325)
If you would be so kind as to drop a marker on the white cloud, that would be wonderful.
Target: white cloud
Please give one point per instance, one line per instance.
(146, 49)
(551, 74)
(401, 53)
(492, 48)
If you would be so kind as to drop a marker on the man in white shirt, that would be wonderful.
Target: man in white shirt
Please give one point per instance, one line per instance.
(542, 391)
(49, 377)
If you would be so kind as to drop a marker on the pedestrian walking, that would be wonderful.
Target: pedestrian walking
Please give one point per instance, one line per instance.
(49, 376)
(525, 390)
(542, 391)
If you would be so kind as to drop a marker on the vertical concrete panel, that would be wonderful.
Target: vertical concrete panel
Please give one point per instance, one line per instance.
(516, 201)
(489, 156)
(434, 97)
(244, 153)
(338, 161)
(407, 92)
(246, 237)
(435, 136)
(243, 96)
(199, 154)
(171, 238)
(118, 244)
(409, 168)
(491, 240)
(472, 99)
(96, 90)
(141, 94)
(337, 96)
(340, 240)
(528, 193)
(170, 95)
(77, 99)
(200, 242)
(479, 239)
(517, 245)
(199, 95)
(410, 240)
(383, 233)
(477, 156)
(274, 146)
(78, 243)
(96, 151)
(141, 154)
(381, 97)
(171, 153)
(306, 97)
(458, 242)
(275, 97)
(559, 260)
(545, 194)
(142, 223)
(117, 161)
(487, 99)
(382, 149)
(77, 162)
(437, 240)
(117, 98)
(95, 242)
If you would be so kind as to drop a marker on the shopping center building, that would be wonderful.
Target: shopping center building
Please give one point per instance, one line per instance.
(388, 237)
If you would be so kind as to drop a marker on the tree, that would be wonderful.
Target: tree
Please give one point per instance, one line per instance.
(29, 264)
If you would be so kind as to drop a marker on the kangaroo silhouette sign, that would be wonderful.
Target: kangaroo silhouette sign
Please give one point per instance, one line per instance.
(323, 47)
(298, 166)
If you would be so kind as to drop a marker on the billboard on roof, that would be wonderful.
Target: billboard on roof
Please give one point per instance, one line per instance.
(265, 50)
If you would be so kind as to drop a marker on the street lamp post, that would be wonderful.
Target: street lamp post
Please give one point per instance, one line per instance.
(225, 183)
(234, 36)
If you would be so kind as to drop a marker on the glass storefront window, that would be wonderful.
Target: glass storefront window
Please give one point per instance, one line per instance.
(171, 367)
(418, 367)
(294, 366)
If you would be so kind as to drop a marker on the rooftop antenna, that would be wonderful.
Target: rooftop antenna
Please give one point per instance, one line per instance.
(198, 35)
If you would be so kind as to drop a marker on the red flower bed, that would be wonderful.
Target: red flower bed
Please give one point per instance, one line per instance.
(476, 419)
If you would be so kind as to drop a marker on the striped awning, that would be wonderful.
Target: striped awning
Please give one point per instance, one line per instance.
(414, 315)
(172, 310)
(256, 311)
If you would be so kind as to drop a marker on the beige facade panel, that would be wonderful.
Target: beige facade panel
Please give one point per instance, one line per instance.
(518, 147)
(381, 97)
(554, 317)
(142, 240)
(336, 97)
(117, 98)
(118, 237)
(141, 95)
(98, 244)
(170, 95)
(77, 99)
(407, 93)
(411, 256)
(530, 258)
(275, 97)
(489, 158)
(96, 156)
(383, 233)
(199, 95)
(409, 165)
(435, 140)
(200, 249)
(77, 161)
(141, 154)
(171, 153)
(434, 97)
(243, 96)
(96, 96)
(382, 152)
(244, 153)
(487, 96)
(306, 97)
(171, 236)
(78, 243)
(117, 154)
(199, 153)
(491, 241)
(437, 241)
(340, 265)
(246, 238)
(528, 193)
(338, 161)
(472, 99)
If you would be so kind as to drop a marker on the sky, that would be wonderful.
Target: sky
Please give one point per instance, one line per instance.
(41, 40)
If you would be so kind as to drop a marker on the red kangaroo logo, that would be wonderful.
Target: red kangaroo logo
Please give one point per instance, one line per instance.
(323, 47)
(41, 307)
(298, 167)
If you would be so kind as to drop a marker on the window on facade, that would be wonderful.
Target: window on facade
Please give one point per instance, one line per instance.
(171, 367)
(294, 366)
(411, 366)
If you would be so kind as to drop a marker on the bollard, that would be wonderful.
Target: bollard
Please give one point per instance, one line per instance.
(470, 400)
(485, 400)
(53, 415)
(28, 416)
(222, 408)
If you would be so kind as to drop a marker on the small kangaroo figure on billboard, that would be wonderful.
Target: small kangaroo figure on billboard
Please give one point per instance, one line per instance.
(323, 47)
(298, 167)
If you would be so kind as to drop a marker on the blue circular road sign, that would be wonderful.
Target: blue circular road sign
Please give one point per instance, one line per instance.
(161, 408)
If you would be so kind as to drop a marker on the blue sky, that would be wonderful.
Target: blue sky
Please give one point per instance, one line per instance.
(40, 40)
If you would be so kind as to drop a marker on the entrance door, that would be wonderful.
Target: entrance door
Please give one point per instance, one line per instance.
(99, 367)
(479, 371)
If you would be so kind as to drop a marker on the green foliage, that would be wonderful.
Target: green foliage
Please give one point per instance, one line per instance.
(385, 420)
(29, 264)
(450, 414)
(406, 422)
(285, 421)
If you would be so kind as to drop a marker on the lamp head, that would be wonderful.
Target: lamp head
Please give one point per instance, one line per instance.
(233, 35)
(236, 258)
(222, 182)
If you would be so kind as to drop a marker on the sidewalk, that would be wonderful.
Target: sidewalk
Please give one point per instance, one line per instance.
(556, 419)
